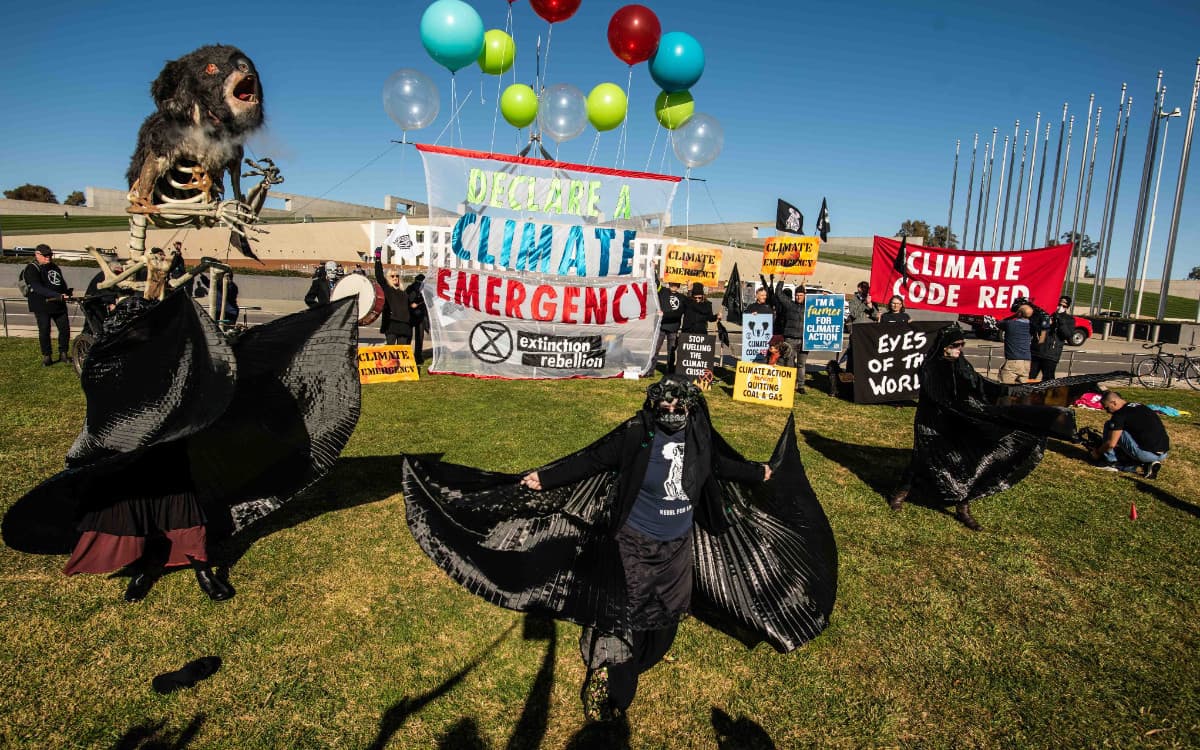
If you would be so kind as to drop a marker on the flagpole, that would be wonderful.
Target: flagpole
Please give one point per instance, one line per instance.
(1180, 184)
(1102, 255)
(1162, 156)
(1062, 188)
(1008, 190)
(991, 169)
(983, 167)
(1135, 248)
(1037, 207)
(970, 190)
(999, 191)
(1112, 216)
(1037, 126)
(1054, 182)
(1081, 265)
(953, 186)
(1076, 245)
(1020, 179)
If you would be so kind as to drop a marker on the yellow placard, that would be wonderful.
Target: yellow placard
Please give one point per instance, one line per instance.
(386, 364)
(791, 255)
(685, 264)
(758, 383)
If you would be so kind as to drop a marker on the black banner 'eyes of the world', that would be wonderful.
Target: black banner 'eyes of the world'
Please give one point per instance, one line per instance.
(888, 357)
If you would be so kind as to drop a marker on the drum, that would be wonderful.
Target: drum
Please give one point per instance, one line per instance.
(368, 293)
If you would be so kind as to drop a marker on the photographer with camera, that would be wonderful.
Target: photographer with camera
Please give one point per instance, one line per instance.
(1047, 345)
(1018, 336)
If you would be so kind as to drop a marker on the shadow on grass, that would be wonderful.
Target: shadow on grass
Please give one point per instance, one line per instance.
(353, 481)
(740, 733)
(399, 712)
(535, 716)
(1166, 498)
(149, 736)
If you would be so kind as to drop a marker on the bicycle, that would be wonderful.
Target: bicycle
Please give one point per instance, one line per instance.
(1161, 370)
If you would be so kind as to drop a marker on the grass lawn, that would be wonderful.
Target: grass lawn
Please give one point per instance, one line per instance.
(1063, 624)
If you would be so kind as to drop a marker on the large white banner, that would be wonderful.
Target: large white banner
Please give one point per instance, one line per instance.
(546, 217)
(513, 325)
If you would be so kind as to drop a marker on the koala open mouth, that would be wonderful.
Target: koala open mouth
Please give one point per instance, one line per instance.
(246, 90)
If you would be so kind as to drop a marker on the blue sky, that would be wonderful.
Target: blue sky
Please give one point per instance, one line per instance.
(859, 102)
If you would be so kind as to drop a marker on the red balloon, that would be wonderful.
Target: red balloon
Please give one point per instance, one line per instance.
(633, 33)
(555, 10)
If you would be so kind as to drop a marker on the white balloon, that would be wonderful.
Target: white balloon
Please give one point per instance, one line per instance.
(562, 112)
(698, 141)
(411, 99)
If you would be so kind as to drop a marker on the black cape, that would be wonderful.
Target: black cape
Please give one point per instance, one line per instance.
(261, 416)
(974, 437)
(766, 571)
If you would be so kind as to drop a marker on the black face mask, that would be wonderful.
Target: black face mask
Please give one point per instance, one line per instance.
(671, 422)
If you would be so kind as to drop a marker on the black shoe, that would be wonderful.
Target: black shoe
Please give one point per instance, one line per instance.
(140, 585)
(211, 584)
(962, 512)
(47, 361)
(64, 357)
(800, 390)
(1151, 469)
(896, 501)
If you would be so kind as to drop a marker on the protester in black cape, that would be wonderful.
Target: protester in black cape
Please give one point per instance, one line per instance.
(792, 313)
(419, 316)
(965, 446)
(227, 430)
(895, 312)
(657, 518)
(318, 290)
(396, 320)
(1047, 345)
(47, 300)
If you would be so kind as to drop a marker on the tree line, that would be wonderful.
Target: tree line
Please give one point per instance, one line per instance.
(43, 194)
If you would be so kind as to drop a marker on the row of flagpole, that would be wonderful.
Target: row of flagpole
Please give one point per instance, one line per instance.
(1006, 237)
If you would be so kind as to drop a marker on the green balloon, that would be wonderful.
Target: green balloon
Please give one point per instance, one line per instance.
(674, 108)
(498, 52)
(519, 105)
(606, 106)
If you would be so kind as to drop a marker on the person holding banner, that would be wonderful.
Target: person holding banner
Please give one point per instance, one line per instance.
(895, 312)
(672, 304)
(792, 313)
(761, 304)
(698, 312)
(396, 325)
(965, 446)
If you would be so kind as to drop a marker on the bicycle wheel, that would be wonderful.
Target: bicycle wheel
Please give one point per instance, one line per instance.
(1153, 373)
(1191, 373)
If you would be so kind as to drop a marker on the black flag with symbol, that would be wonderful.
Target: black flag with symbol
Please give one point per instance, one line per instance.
(823, 222)
(788, 218)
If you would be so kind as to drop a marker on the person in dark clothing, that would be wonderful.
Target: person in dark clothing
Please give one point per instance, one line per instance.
(1018, 337)
(1046, 346)
(418, 316)
(396, 321)
(318, 291)
(1133, 436)
(47, 300)
(672, 304)
(791, 311)
(659, 483)
(226, 292)
(895, 312)
(761, 304)
(98, 302)
(697, 312)
(179, 267)
(965, 445)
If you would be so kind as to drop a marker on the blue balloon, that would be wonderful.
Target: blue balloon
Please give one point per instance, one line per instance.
(452, 33)
(678, 63)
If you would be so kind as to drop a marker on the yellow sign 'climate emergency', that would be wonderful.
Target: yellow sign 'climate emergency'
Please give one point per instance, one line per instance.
(386, 364)
(684, 264)
(759, 383)
(791, 255)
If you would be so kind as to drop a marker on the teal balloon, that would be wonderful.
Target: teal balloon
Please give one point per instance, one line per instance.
(452, 33)
(678, 62)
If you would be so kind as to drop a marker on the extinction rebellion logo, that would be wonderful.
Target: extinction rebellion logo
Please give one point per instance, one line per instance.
(492, 342)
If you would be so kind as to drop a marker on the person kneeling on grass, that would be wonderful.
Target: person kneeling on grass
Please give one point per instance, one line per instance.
(1133, 436)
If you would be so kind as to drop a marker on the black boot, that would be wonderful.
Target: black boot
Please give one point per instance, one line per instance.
(896, 501)
(210, 582)
(962, 512)
(141, 583)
